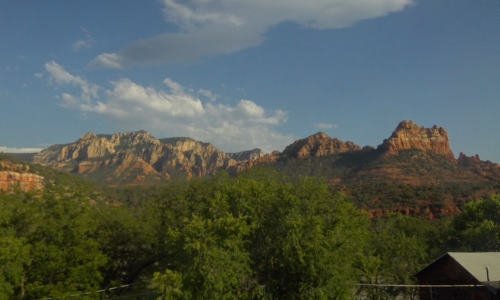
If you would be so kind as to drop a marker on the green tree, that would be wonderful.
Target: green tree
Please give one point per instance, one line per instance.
(168, 285)
(14, 258)
(125, 239)
(305, 239)
(399, 247)
(53, 232)
(477, 227)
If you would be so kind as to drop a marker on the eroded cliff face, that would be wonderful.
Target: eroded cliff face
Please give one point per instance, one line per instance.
(25, 182)
(318, 145)
(410, 136)
(18, 176)
(136, 156)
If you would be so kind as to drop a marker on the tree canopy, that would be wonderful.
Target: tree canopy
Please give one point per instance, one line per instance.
(259, 235)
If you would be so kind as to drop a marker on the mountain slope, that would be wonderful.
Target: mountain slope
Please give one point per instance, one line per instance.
(138, 157)
(414, 170)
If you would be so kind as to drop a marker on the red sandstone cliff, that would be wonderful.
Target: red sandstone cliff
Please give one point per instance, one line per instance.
(14, 176)
(24, 181)
(410, 136)
(317, 145)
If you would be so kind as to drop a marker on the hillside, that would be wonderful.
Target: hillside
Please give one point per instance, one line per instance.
(138, 157)
(413, 171)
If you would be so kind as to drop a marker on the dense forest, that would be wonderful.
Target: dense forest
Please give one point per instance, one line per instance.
(260, 235)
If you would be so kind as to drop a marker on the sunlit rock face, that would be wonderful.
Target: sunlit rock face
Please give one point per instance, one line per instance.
(317, 145)
(410, 136)
(25, 182)
(137, 156)
(18, 176)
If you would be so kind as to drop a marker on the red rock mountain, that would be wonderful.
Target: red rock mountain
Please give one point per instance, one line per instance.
(412, 155)
(14, 176)
(415, 164)
(317, 145)
(410, 136)
(136, 157)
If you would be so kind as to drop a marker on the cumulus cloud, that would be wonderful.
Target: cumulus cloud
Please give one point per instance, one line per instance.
(176, 111)
(212, 27)
(4, 149)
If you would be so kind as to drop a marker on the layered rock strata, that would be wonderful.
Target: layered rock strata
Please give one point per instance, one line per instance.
(318, 145)
(139, 154)
(25, 182)
(410, 136)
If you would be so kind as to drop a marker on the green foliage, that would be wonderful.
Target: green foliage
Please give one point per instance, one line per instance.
(477, 228)
(14, 257)
(260, 235)
(126, 241)
(301, 240)
(55, 249)
(399, 247)
(168, 285)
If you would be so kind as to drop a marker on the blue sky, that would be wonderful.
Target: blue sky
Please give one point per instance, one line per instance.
(244, 74)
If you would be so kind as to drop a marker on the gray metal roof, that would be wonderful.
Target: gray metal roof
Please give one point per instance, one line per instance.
(477, 262)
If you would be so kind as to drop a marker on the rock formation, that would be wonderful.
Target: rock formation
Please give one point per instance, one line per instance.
(26, 182)
(413, 158)
(137, 156)
(18, 176)
(412, 155)
(317, 145)
(410, 136)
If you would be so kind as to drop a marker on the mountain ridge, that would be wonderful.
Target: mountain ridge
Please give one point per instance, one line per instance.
(413, 171)
(135, 156)
(138, 156)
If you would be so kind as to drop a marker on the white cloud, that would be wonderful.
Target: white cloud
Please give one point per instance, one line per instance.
(175, 103)
(86, 42)
(108, 60)
(212, 27)
(326, 126)
(177, 111)
(4, 149)
(60, 76)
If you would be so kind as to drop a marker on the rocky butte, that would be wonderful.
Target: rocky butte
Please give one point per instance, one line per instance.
(410, 136)
(17, 176)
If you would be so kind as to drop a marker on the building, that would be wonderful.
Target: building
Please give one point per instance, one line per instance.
(462, 275)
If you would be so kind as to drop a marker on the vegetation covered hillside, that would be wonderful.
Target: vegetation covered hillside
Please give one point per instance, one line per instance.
(413, 171)
(255, 236)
